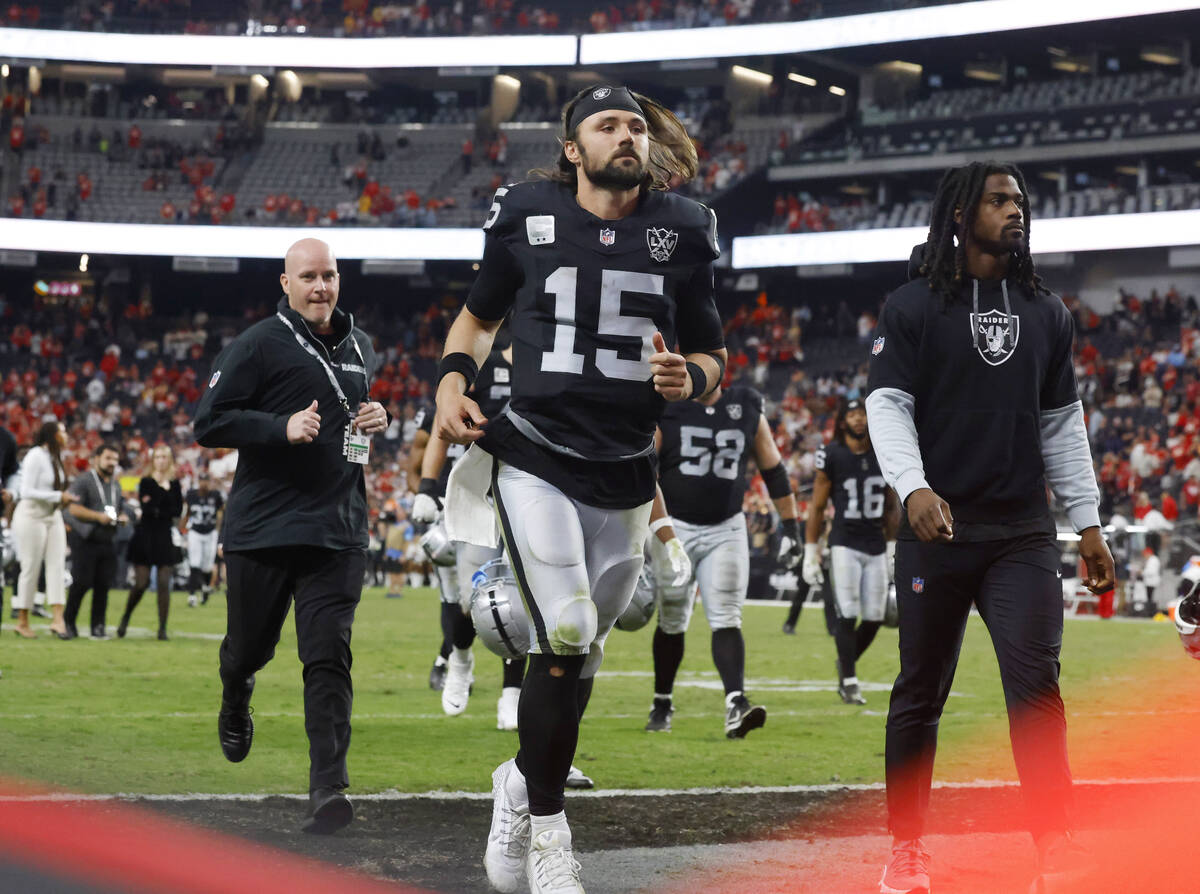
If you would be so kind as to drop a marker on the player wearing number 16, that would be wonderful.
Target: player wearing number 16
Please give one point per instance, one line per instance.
(603, 272)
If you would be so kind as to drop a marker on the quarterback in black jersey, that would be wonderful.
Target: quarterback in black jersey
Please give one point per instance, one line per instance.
(862, 539)
(703, 449)
(603, 273)
(202, 510)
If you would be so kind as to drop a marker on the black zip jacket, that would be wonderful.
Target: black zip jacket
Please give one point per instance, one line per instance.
(288, 494)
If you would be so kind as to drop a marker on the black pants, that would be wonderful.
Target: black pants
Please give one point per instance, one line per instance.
(92, 568)
(1014, 583)
(326, 585)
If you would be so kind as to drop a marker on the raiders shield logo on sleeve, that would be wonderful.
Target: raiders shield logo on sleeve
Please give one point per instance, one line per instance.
(995, 334)
(661, 242)
(735, 411)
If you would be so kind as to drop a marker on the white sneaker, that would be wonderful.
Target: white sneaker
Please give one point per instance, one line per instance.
(193, 601)
(506, 708)
(551, 865)
(576, 778)
(457, 689)
(508, 840)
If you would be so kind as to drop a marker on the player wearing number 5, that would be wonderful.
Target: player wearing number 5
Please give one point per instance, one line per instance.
(862, 540)
(602, 271)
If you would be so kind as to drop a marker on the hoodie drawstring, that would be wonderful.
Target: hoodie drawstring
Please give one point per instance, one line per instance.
(1008, 332)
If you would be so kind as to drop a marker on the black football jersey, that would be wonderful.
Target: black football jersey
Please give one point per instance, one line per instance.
(858, 492)
(703, 456)
(202, 510)
(424, 420)
(493, 385)
(586, 295)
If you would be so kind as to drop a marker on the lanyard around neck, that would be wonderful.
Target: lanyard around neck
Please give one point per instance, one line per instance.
(304, 343)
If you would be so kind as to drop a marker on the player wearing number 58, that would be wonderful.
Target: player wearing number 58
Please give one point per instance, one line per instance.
(290, 393)
(603, 272)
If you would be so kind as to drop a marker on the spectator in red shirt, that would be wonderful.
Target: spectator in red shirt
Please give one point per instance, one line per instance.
(1170, 509)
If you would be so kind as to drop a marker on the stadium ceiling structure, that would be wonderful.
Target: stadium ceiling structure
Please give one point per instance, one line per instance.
(928, 23)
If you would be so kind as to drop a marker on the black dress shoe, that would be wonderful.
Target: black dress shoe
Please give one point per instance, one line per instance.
(72, 631)
(328, 810)
(162, 633)
(235, 729)
(98, 632)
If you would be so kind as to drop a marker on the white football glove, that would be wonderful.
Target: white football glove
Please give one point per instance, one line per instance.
(891, 561)
(424, 509)
(811, 569)
(674, 566)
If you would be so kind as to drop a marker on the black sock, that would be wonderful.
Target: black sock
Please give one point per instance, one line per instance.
(830, 609)
(797, 603)
(864, 636)
(194, 577)
(843, 638)
(668, 655)
(548, 728)
(583, 694)
(729, 655)
(514, 672)
(450, 612)
(464, 629)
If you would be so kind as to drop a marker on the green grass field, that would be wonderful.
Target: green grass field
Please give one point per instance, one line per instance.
(137, 715)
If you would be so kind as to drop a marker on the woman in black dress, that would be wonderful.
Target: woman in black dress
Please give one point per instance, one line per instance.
(161, 502)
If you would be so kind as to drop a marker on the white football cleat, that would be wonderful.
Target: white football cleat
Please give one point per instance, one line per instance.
(508, 839)
(551, 865)
(576, 778)
(506, 708)
(456, 691)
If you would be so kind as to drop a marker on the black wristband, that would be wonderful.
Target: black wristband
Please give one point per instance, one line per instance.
(459, 362)
(428, 487)
(699, 379)
(790, 528)
(777, 482)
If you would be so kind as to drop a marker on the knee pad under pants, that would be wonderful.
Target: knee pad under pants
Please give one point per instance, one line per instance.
(447, 576)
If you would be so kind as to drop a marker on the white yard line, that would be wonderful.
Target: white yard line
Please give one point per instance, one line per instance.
(978, 784)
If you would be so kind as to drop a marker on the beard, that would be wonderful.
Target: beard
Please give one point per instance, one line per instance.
(615, 176)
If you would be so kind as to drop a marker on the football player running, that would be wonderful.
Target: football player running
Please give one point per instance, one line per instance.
(704, 447)
(603, 272)
(862, 540)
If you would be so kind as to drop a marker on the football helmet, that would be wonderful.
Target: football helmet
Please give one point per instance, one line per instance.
(497, 610)
(891, 610)
(1187, 611)
(438, 545)
(641, 607)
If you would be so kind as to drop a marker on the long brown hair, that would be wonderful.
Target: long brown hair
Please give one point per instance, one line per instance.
(672, 152)
(47, 437)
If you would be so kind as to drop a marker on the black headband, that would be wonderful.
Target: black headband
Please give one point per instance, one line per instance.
(603, 99)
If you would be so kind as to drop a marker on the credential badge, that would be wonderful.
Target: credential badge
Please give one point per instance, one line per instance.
(877, 347)
(661, 242)
(540, 229)
(735, 411)
(608, 237)
(990, 331)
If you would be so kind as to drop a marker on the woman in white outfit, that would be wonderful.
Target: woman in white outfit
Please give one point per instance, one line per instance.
(37, 526)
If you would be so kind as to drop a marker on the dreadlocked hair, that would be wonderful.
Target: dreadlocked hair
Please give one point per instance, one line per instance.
(944, 258)
(672, 152)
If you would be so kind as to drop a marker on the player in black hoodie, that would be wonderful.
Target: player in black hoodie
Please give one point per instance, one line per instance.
(973, 411)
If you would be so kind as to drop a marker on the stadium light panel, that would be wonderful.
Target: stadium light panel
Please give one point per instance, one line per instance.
(1103, 232)
(836, 90)
(953, 20)
(166, 240)
(750, 74)
(802, 79)
(286, 52)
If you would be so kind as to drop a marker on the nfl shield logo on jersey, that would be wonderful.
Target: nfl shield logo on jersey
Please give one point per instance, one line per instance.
(215, 378)
(995, 334)
(918, 585)
(661, 242)
(877, 347)
(608, 237)
(735, 411)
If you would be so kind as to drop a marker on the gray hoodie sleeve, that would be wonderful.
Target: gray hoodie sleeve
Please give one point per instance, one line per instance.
(894, 437)
(1068, 461)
